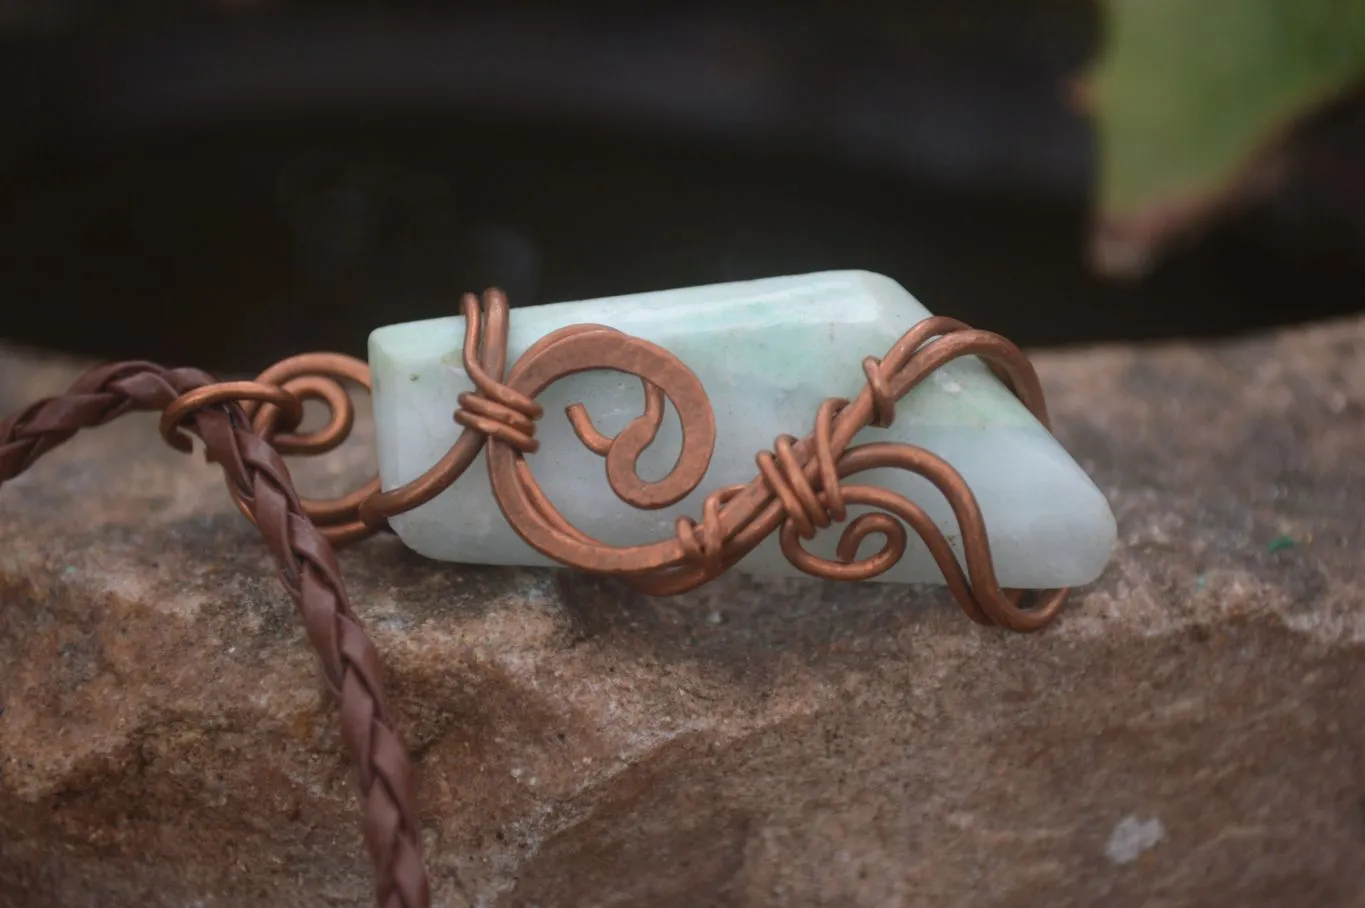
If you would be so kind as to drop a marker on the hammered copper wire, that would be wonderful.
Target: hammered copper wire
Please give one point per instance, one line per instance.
(800, 487)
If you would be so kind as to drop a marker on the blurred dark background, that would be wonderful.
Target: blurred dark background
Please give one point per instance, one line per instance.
(225, 183)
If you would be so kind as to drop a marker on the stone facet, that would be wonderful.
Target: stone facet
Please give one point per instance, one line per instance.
(768, 352)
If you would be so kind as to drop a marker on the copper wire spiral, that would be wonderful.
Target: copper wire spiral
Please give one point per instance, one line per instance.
(801, 487)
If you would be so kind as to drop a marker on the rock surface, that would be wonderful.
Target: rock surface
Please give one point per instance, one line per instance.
(1187, 733)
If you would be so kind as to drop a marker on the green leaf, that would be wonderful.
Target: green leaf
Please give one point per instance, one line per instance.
(1188, 93)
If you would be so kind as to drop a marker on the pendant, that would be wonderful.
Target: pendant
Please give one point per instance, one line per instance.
(627, 436)
(661, 438)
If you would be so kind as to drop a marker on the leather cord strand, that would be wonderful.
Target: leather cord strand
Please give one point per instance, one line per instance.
(308, 571)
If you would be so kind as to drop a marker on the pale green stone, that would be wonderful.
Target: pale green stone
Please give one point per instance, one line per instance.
(767, 352)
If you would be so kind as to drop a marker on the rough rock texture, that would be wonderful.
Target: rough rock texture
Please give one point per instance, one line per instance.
(1188, 732)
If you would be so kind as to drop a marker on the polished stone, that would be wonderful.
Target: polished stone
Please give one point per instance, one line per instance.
(767, 352)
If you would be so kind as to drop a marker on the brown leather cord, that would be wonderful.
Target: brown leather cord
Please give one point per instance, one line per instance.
(261, 484)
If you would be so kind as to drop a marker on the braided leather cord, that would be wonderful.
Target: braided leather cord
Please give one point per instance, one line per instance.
(308, 570)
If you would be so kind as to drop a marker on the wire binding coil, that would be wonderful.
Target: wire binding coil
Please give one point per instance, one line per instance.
(801, 487)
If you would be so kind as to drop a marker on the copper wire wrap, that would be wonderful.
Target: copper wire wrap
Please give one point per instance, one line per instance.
(800, 488)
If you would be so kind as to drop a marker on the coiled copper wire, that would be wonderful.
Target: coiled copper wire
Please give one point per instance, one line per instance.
(800, 487)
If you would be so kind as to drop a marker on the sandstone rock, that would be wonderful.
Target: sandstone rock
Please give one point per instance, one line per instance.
(1187, 732)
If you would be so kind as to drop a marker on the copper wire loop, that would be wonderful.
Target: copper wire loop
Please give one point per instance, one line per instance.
(274, 403)
(224, 393)
(799, 489)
